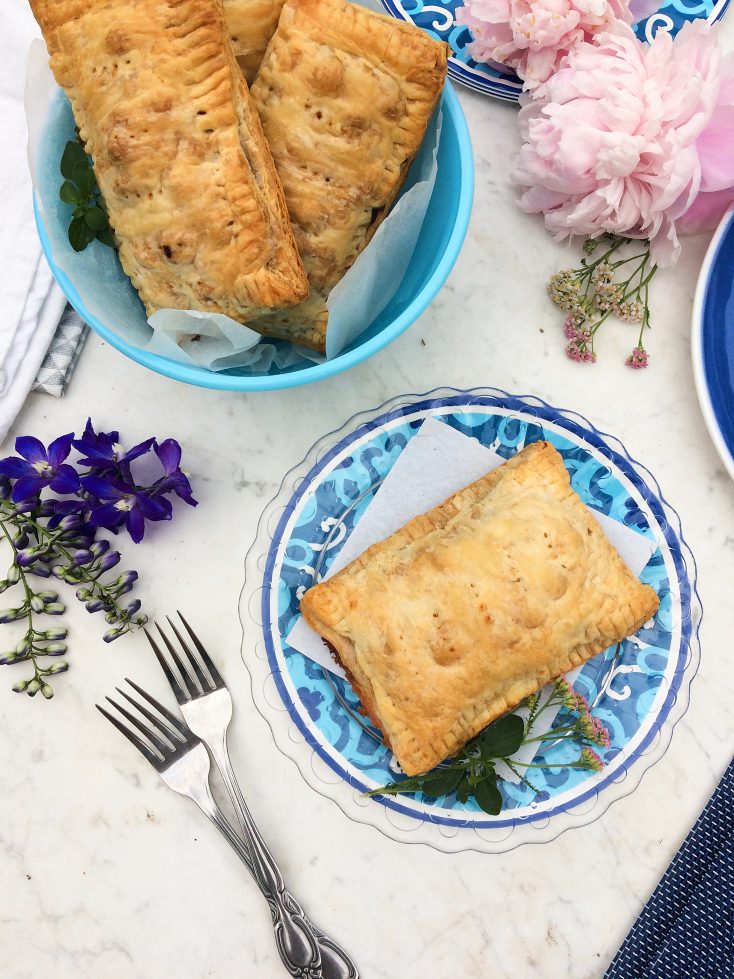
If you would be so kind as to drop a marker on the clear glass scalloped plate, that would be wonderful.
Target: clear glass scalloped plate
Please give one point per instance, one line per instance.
(641, 690)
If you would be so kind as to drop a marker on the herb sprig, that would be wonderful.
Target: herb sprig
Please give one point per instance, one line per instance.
(89, 217)
(472, 773)
(610, 284)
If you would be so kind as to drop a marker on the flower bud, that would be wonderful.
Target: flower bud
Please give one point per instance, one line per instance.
(26, 557)
(55, 649)
(61, 667)
(55, 608)
(47, 508)
(48, 596)
(10, 615)
(33, 687)
(113, 634)
(83, 594)
(55, 632)
(20, 686)
(7, 658)
(40, 570)
(109, 561)
(70, 522)
(36, 603)
(134, 607)
(13, 574)
(100, 547)
(47, 690)
(83, 557)
(20, 541)
(94, 605)
(22, 648)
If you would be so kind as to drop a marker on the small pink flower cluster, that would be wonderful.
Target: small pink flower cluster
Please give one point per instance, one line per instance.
(590, 728)
(590, 760)
(638, 359)
(579, 349)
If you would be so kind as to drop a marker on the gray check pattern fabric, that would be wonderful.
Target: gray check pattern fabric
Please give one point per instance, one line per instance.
(686, 929)
(58, 365)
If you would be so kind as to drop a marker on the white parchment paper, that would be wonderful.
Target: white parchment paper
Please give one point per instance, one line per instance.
(436, 463)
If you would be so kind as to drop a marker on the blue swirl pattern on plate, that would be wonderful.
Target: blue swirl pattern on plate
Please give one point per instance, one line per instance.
(645, 677)
(437, 18)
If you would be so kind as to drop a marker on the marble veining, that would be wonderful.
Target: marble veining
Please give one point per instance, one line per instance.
(108, 875)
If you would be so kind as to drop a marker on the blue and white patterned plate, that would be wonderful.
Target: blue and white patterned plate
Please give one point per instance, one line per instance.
(713, 340)
(437, 18)
(645, 695)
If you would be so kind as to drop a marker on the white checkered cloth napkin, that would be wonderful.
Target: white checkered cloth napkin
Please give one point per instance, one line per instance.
(32, 303)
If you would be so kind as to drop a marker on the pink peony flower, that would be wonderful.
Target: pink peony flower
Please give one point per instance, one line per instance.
(618, 139)
(532, 36)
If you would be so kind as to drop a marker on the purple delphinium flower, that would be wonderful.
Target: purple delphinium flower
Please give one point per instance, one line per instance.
(39, 467)
(169, 453)
(103, 453)
(126, 504)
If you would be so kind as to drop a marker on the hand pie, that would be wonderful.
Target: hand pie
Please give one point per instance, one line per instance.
(345, 96)
(178, 150)
(475, 605)
(251, 25)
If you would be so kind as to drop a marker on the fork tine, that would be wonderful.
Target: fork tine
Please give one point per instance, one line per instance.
(171, 735)
(188, 682)
(158, 744)
(204, 682)
(178, 691)
(213, 671)
(174, 721)
(131, 736)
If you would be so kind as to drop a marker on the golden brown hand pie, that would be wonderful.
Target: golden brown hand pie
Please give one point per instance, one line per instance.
(475, 605)
(345, 96)
(178, 152)
(251, 25)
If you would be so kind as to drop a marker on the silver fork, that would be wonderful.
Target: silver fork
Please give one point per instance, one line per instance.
(182, 761)
(206, 705)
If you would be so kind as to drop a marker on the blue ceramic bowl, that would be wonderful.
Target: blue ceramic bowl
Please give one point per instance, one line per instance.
(101, 293)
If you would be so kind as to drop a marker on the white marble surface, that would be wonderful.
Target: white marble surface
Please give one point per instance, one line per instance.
(108, 875)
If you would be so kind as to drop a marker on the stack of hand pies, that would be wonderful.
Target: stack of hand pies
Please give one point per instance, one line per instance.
(252, 202)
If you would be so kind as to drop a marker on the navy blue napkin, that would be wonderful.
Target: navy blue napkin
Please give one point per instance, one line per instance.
(686, 929)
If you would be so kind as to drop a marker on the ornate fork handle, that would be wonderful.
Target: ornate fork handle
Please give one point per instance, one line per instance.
(334, 961)
(296, 941)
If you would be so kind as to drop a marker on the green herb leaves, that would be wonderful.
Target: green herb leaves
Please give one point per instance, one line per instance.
(472, 773)
(80, 189)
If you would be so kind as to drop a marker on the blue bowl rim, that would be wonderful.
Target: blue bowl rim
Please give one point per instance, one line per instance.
(272, 382)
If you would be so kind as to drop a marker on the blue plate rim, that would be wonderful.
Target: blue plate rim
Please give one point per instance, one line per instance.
(703, 338)
(508, 91)
(230, 382)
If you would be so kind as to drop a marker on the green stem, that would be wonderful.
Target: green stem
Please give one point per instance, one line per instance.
(30, 632)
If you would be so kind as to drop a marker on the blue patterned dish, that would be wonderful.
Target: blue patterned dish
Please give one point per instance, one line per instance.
(437, 18)
(645, 694)
(713, 340)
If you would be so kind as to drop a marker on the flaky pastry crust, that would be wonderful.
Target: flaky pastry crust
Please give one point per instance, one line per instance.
(345, 96)
(179, 154)
(471, 607)
(251, 25)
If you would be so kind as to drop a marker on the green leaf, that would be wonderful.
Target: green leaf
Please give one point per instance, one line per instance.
(107, 237)
(69, 193)
(96, 218)
(442, 782)
(72, 156)
(79, 234)
(502, 738)
(488, 796)
(462, 793)
(83, 177)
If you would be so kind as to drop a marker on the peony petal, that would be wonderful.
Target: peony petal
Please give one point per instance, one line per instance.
(706, 212)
